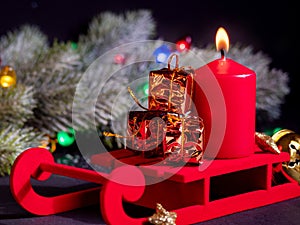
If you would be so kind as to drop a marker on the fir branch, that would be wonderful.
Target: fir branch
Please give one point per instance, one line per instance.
(102, 96)
(55, 78)
(109, 30)
(22, 47)
(16, 105)
(272, 89)
(13, 141)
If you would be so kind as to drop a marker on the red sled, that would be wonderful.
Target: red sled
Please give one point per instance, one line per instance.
(195, 193)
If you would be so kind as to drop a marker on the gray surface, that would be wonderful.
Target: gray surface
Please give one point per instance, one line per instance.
(282, 213)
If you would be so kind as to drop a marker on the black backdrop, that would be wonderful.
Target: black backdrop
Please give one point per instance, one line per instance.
(268, 26)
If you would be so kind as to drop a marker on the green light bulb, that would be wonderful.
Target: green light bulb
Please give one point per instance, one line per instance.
(66, 138)
(74, 45)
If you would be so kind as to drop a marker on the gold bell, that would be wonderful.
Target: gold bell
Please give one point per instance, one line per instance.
(289, 141)
(8, 77)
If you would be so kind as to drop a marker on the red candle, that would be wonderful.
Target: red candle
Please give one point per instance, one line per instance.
(225, 98)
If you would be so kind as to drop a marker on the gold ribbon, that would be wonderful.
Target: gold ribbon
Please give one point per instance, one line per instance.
(176, 70)
(135, 98)
(109, 134)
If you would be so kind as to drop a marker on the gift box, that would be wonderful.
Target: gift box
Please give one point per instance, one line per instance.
(147, 132)
(165, 134)
(188, 148)
(171, 89)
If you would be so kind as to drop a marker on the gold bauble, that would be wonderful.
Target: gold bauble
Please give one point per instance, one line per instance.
(289, 141)
(8, 77)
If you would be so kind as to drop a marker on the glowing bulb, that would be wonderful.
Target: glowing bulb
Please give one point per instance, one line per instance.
(66, 138)
(8, 77)
(162, 53)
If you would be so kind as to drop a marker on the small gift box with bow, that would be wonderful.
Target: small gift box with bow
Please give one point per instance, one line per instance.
(166, 134)
(171, 89)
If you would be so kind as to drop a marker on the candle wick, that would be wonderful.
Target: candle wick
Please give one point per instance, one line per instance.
(223, 56)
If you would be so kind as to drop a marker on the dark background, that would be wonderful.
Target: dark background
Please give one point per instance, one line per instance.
(268, 26)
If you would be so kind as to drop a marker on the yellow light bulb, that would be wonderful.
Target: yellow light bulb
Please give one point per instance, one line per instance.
(8, 77)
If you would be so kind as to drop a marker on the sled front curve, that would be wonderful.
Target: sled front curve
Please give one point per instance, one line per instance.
(126, 183)
(38, 163)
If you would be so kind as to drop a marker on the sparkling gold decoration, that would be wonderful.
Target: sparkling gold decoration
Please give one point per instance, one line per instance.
(289, 141)
(163, 217)
(8, 77)
(135, 98)
(266, 143)
(49, 143)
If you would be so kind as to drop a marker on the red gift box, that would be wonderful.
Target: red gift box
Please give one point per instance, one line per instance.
(165, 134)
(147, 132)
(189, 147)
(171, 89)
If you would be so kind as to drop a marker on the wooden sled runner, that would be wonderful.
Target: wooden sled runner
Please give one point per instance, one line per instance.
(196, 193)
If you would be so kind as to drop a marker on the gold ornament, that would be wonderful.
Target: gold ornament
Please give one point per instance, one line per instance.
(162, 216)
(49, 143)
(266, 143)
(8, 77)
(289, 141)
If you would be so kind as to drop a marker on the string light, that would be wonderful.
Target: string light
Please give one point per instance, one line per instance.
(162, 53)
(8, 77)
(66, 138)
(119, 59)
(183, 45)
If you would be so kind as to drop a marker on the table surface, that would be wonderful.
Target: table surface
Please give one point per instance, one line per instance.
(285, 212)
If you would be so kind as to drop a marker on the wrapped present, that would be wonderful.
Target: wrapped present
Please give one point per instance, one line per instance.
(188, 148)
(147, 132)
(166, 134)
(171, 89)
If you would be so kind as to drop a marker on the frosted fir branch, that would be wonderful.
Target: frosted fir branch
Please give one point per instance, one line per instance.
(55, 78)
(21, 48)
(16, 105)
(108, 30)
(271, 92)
(102, 94)
(52, 71)
(55, 71)
(60, 62)
(13, 141)
(102, 83)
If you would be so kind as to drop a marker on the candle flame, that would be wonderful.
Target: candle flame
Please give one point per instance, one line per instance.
(222, 40)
